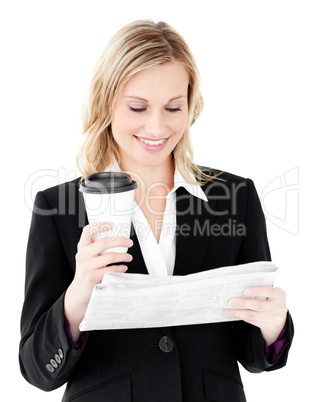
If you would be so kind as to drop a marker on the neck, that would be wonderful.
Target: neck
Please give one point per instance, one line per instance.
(152, 180)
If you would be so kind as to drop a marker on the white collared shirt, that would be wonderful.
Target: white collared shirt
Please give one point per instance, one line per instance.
(159, 257)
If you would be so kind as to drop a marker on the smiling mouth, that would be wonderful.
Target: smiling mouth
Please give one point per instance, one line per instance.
(152, 142)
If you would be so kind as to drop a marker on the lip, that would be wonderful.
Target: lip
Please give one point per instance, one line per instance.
(152, 148)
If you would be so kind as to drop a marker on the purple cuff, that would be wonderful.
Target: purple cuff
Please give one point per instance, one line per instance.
(80, 341)
(274, 349)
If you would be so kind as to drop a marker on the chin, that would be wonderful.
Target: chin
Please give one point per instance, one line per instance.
(152, 163)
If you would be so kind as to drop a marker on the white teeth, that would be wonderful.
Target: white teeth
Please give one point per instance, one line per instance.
(152, 142)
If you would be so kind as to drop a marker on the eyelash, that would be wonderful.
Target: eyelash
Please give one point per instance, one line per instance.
(139, 110)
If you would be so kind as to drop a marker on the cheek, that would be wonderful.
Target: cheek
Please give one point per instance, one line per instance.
(180, 124)
(122, 126)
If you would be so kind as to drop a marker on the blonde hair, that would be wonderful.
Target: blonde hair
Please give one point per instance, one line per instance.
(139, 45)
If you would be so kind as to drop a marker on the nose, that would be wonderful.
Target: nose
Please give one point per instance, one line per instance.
(154, 125)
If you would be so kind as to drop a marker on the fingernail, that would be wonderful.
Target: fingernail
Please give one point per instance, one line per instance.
(233, 303)
(247, 292)
(130, 243)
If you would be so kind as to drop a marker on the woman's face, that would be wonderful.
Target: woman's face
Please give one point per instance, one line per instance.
(150, 115)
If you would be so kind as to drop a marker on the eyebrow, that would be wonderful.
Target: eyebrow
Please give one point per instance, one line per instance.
(144, 100)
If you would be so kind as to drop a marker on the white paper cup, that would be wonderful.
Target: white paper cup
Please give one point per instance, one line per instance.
(109, 196)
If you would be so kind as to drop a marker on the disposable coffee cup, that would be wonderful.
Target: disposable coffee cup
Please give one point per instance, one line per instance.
(109, 196)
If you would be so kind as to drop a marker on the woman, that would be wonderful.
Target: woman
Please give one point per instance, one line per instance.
(143, 99)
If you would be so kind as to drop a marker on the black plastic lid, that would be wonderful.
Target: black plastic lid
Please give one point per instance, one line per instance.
(107, 183)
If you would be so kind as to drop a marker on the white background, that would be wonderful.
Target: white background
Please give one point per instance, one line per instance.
(261, 67)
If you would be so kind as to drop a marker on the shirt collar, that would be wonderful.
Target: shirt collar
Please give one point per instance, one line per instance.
(179, 181)
(193, 189)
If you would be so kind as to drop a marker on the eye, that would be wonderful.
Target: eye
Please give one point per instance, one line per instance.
(173, 110)
(137, 110)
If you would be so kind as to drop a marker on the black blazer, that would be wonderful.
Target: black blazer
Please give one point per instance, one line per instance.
(193, 363)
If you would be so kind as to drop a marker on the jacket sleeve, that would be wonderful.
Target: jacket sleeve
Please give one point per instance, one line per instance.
(249, 341)
(46, 354)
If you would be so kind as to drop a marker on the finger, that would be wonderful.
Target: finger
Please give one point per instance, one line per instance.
(109, 242)
(99, 274)
(101, 261)
(110, 258)
(251, 304)
(116, 268)
(97, 227)
(85, 238)
(90, 230)
(252, 317)
(260, 291)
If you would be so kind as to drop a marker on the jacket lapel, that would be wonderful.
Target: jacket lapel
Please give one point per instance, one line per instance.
(137, 265)
(192, 232)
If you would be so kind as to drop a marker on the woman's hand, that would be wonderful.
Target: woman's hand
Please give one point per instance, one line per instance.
(269, 315)
(90, 269)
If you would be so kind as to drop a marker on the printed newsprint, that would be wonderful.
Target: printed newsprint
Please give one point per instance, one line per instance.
(124, 301)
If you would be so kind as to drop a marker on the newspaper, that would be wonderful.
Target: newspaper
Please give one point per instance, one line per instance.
(124, 301)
